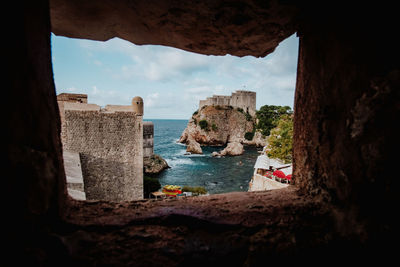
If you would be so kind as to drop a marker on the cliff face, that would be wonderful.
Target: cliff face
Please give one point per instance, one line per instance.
(217, 126)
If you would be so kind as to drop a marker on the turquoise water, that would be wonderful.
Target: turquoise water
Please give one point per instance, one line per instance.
(217, 175)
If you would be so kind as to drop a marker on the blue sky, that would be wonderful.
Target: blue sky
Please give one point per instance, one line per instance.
(170, 81)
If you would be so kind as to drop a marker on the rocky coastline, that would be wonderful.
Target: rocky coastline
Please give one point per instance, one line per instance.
(220, 126)
(154, 165)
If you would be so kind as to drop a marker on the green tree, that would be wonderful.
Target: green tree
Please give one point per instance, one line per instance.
(281, 139)
(203, 124)
(249, 135)
(268, 116)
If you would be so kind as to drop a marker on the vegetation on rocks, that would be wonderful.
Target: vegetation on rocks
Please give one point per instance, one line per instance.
(268, 117)
(203, 124)
(281, 139)
(218, 126)
(249, 135)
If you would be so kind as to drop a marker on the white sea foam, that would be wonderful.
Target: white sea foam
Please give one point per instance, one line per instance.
(179, 161)
(177, 143)
(180, 152)
(195, 155)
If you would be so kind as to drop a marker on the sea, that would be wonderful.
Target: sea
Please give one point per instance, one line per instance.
(217, 175)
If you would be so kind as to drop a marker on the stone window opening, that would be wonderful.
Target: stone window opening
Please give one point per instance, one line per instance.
(344, 202)
(83, 186)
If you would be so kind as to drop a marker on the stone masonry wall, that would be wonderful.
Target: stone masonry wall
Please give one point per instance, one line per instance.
(110, 145)
(148, 139)
(245, 100)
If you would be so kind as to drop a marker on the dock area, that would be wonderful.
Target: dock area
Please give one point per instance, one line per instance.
(262, 183)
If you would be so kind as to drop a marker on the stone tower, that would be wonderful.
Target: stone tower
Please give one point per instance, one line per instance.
(109, 144)
(137, 104)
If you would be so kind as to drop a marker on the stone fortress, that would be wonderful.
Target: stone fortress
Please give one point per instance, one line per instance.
(245, 100)
(148, 139)
(103, 148)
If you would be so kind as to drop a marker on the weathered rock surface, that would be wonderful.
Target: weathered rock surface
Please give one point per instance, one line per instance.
(347, 89)
(258, 140)
(214, 27)
(154, 164)
(224, 125)
(232, 149)
(193, 147)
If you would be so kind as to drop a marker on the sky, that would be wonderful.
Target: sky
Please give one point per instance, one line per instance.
(170, 81)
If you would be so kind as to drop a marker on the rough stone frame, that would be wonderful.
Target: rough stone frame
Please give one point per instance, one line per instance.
(347, 212)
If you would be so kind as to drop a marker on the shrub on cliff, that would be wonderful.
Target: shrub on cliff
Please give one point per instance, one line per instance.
(281, 139)
(203, 124)
(249, 136)
(248, 116)
(268, 117)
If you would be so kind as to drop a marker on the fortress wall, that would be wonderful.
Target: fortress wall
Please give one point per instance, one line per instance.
(207, 102)
(239, 99)
(81, 106)
(245, 100)
(116, 108)
(202, 103)
(77, 106)
(77, 98)
(221, 100)
(111, 149)
(148, 139)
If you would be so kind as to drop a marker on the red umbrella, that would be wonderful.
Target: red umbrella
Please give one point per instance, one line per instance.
(268, 174)
(279, 174)
(289, 177)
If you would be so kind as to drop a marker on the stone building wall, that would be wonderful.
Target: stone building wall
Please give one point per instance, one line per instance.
(148, 139)
(239, 99)
(109, 142)
(75, 98)
(245, 100)
(111, 150)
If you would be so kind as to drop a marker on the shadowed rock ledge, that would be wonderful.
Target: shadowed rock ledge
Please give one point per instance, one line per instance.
(212, 27)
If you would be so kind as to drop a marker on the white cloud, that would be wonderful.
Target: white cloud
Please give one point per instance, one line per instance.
(98, 62)
(151, 100)
(71, 90)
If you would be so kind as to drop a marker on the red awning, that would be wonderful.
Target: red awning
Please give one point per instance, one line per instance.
(279, 174)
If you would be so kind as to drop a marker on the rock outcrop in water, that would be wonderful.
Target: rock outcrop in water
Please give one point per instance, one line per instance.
(232, 149)
(154, 164)
(218, 126)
